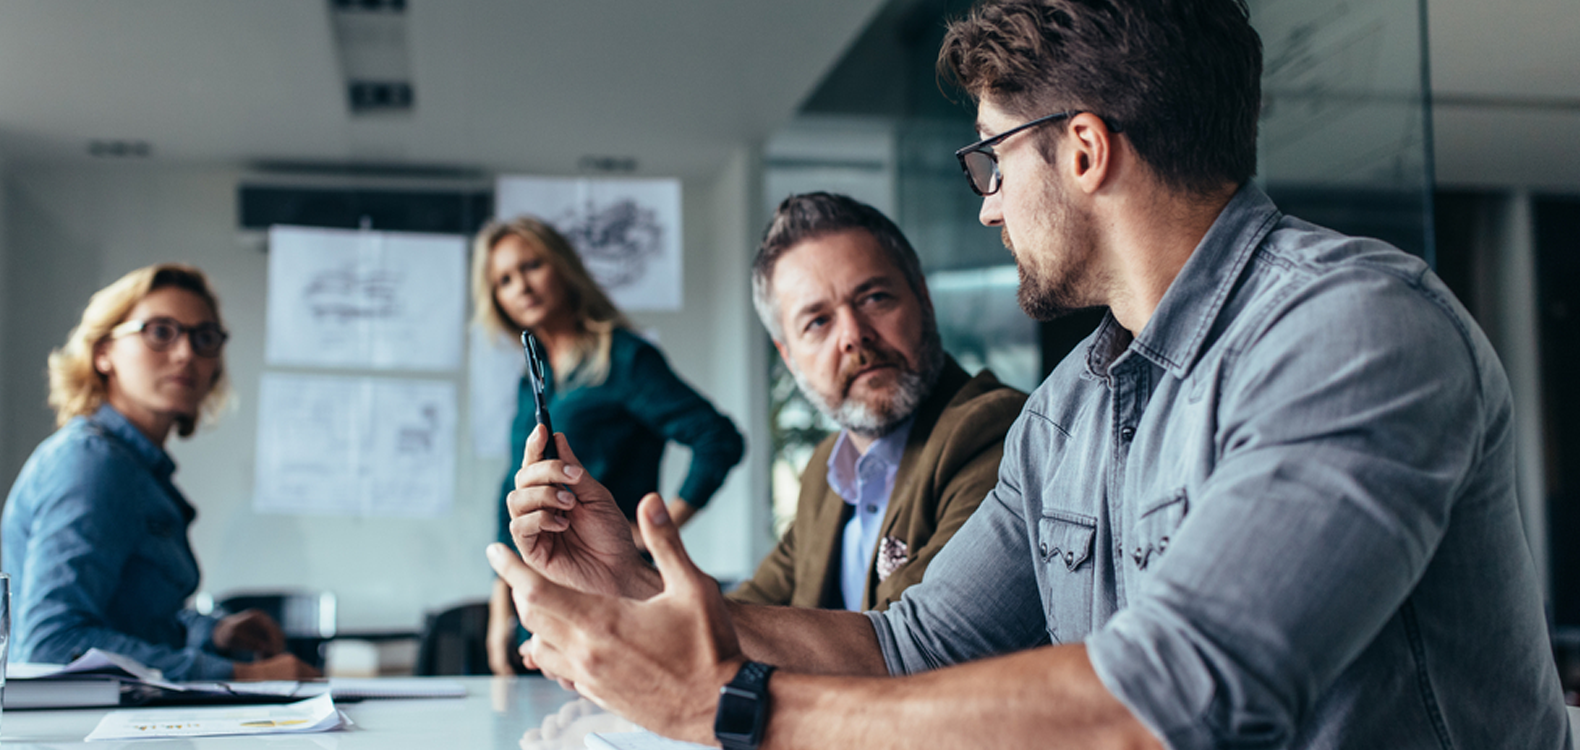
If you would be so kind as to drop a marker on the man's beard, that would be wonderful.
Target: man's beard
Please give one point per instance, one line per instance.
(1066, 286)
(911, 386)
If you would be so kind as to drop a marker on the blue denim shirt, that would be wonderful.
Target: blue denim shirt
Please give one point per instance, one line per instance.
(95, 540)
(1283, 515)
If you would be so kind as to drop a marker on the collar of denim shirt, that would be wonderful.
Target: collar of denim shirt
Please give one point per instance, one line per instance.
(1173, 336)
(117, 426)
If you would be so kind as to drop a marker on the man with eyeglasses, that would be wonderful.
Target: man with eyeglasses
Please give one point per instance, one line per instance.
(1268, 503)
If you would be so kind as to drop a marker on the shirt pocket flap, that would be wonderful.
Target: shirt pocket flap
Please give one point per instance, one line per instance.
(1066, 537)
(1156, 525)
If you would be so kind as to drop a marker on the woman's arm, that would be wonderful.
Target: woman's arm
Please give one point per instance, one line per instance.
(672, 408)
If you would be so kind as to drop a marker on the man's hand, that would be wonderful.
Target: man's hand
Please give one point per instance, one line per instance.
(659, 662)
(567, 527)
(282, 667)
(250, 630)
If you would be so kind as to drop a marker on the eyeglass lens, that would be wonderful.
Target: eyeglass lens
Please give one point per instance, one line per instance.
(983, 171)
(162, 333)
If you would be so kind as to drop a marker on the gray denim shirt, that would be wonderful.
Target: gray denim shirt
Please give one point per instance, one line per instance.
(1282, 516)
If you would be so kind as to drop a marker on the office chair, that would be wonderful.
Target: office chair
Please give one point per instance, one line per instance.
(453, 642)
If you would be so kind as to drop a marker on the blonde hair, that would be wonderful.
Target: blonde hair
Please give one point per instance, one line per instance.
(77, 388)
(596, 317)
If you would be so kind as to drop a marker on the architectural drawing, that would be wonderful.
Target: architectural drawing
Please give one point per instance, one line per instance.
(627, 231)
(365, 300)
(343, 446)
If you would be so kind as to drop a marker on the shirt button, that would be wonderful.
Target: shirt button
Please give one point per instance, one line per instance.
(872, 509)
(1126, 433)
(1044, 548)
(1069, 558)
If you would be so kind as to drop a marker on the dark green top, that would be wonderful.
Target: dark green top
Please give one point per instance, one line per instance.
(618, 428)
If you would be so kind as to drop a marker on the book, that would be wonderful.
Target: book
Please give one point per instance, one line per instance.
(62, 692)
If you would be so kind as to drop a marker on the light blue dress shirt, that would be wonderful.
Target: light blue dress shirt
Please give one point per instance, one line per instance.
(95, 540)
(1283, 515)
(865, 481)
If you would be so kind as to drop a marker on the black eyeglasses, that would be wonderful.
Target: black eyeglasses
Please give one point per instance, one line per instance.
(980, 163)
(162, 333)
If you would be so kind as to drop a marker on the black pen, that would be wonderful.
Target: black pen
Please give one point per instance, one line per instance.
(540, 400)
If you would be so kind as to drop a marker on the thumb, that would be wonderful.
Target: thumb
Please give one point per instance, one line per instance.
(662, 537)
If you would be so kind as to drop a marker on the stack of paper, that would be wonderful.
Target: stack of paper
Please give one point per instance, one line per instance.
(100, 678)
(311, 715)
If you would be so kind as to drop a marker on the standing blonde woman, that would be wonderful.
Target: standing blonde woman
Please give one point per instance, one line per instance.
(612, 394)
(95, 533)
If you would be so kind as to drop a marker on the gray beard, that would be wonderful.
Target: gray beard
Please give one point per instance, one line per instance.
(911, 388)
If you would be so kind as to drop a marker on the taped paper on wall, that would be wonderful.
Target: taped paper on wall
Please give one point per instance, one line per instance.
(627, 232)
(364, 299)
(494, 369)
(330, 445)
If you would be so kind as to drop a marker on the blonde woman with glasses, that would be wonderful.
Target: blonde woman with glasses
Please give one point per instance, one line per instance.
(95, 532)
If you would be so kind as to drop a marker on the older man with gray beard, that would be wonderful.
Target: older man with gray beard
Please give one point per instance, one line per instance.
(841, 291)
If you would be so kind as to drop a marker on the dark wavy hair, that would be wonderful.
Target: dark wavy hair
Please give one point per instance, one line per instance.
(1181, 78)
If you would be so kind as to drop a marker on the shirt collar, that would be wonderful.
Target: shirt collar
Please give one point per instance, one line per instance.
(118, 426)
(844, 460)
(1174, 334)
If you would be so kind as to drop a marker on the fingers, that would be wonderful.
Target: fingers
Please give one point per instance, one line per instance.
(533, 452)
(542, 605)
(662, 537)
(532, 499)
(549, 473)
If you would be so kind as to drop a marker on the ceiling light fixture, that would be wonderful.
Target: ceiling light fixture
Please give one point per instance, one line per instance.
(375, 65)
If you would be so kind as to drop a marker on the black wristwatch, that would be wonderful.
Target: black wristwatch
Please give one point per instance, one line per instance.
(743, 708)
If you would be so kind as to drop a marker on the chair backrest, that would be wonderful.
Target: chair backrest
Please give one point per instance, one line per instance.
(453, 641)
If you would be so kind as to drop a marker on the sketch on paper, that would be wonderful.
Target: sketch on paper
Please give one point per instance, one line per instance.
(330, 445)
(616, 241)
(363, 299)
(342, 295)
(627, 232)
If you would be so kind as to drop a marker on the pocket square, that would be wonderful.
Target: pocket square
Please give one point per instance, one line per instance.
(892, 553)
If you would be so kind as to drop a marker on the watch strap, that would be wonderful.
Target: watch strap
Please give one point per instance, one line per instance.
(743, 708)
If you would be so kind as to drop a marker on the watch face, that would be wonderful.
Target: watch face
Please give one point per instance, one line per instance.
(737, 713)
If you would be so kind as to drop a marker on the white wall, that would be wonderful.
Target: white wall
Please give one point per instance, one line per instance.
(68, 231)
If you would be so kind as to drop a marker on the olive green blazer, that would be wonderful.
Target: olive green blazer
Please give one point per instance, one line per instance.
(950, 462)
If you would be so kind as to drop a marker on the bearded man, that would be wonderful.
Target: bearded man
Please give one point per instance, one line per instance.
(841, 292)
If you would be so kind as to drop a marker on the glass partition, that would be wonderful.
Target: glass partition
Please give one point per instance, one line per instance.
(1345, 142)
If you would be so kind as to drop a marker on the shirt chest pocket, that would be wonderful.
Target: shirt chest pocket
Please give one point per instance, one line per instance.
(1064, 546)
(1155, 528)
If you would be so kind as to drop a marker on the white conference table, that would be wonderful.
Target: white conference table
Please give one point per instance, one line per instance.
(522, 713)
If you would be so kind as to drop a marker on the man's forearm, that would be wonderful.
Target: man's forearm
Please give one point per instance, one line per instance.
(810, 641)
(1048, 697)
